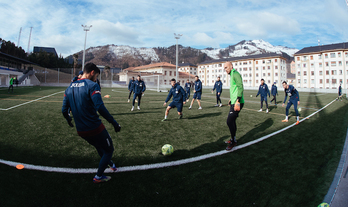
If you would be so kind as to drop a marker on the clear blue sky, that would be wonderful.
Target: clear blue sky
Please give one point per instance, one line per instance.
(203, 23)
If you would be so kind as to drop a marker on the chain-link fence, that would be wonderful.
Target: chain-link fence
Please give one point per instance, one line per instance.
(64, 76)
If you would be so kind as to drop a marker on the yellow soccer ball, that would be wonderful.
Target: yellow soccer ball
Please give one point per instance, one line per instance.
(167, 149)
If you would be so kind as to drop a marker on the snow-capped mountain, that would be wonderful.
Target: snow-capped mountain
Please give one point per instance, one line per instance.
(245, 48)
(127, 56)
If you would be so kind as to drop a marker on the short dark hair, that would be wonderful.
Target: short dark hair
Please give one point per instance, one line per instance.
(89, 67)
(285, 82)
(262, 79)
(173, 79)
(139, 76)
(197, 76)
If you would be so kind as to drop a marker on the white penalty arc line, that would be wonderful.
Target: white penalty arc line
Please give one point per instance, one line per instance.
(31, 101)
(156, 165)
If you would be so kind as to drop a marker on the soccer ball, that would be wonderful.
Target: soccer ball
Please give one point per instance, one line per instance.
(167, 149)
(299, 109)
(251, 96)
(323, 205)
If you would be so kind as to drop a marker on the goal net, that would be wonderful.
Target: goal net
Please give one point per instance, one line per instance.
(155, 83)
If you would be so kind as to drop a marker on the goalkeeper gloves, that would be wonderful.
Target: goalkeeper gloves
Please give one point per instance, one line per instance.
(117, 128)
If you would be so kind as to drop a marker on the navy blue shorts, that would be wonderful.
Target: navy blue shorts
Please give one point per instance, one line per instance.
(101, 141)
(176, 105)
(197, 95)
(264, 98)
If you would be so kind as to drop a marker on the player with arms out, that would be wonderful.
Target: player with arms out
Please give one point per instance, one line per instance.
(197, 92)
(131, 88)
(84, 98)
(139, 89)
(236, 102)
(218, 87)
(293, 100)
(179, 96)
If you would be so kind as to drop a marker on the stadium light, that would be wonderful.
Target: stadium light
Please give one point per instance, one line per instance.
(86, 29)
(177, 37)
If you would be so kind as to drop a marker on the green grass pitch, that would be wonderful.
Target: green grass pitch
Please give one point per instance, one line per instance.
(292, 168)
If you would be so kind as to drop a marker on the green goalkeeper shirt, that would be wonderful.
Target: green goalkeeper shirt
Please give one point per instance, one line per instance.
(11, 81)
(236, 87)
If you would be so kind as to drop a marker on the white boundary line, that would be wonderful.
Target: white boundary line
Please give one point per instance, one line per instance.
(157, 165)
(30, 101)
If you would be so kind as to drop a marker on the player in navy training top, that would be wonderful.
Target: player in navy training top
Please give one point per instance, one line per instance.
(130, 88)
(139, 89)
(188, 90)
(84, 98)
(179, 96)
(274, 92)
(339, 93)
(263, 90)
(218, 87)
(197, 92)
(77, 77)
(294, 99)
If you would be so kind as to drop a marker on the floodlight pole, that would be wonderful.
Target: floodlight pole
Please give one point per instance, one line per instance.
(86, 29)
(177, 37)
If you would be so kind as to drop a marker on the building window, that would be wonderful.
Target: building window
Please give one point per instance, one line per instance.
(339, 63)
(174, 73)
(319, 56)
(276, 74)
(320, 65)
(332, 55)
(257, 75)
(312, 81)
(257, 62)
(312, 72)
(327, 81)
(334, 81)
(257, 68)
(263, 62)
(333, 63)
(340, 81)
(298, 65)
(327, 72)
(298, 58)
(321, 81)
(312, 65)
(257, 81)
(326, 56)
(341, 72)
(333, 72)
(304, 58)
(263, 67)
(327, 64)
(275, 60)
(311, 57)
(170, 73)
(264, 74)
(304, 73)
(299, 80)
(269, 74)
(165, 72)
(304, 81)
(346, 54)
(339, 54)
(304, 65)
(276, 67)
(320, 72)
(299, 73)
(269, 67)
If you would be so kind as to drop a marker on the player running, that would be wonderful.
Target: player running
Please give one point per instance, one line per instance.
(131, 88)
(84, 98)
(274, 92)
(179, 95)
(339, 93)
(139, 89)
(197, 92)
(218, 87)
(293, 100)
(188, 90)
(263, 90)
(236, 102)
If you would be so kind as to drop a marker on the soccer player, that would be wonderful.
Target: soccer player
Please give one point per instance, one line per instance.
(197, 92)
(218, 87)
(339, 93)
(188, 90)
(293, 100)
(274, 92)
(11, 85)
(236, 102)
(84, 98)
(131, 87)
(179, 96)
(263, 90)
(77, 77)
(139, 89)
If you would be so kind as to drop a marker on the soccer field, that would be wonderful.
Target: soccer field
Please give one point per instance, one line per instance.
(292, 168)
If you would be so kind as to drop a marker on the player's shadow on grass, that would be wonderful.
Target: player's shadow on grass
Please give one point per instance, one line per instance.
(134, 112)
(205, 115)
(272, 107)
(256, 131)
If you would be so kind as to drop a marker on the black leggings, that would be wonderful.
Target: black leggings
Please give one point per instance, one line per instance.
(130, 93)
(231, 120)
(275, 99)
